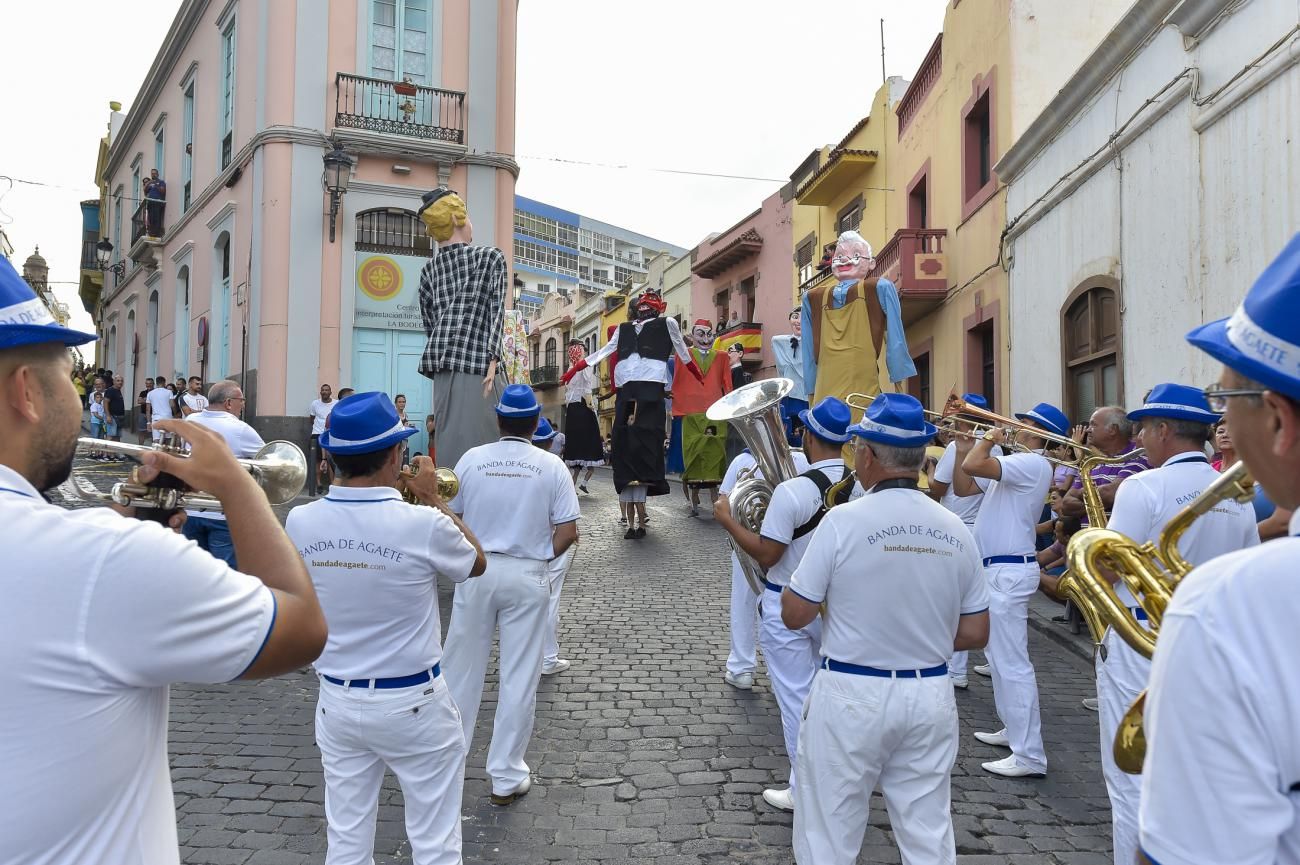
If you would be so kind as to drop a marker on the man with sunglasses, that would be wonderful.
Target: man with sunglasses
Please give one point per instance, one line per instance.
(1221, 780)
(225, 404)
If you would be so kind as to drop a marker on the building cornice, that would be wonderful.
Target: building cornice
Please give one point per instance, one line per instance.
(1193, 18)
(1134, 30)
(183, 26)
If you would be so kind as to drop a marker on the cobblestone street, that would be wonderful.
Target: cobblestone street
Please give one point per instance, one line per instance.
(642, 754)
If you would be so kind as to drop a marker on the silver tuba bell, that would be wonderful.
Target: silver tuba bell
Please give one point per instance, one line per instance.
(755, 411)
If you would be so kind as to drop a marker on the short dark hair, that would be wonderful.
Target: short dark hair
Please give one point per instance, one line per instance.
(521, 427)
(196, 378)
(161, 376)
(346, 391)
(1070, 525)
(360, 465)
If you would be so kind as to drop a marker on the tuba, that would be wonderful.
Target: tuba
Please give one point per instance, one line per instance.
(1151, 571)
(754, 409)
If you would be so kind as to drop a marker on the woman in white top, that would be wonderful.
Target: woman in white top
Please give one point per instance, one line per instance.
(582, 445)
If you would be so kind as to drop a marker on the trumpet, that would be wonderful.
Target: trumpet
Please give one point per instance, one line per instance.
(279, 468)
(448, 483)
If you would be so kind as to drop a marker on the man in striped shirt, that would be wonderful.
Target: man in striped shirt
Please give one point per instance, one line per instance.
(1111, 432)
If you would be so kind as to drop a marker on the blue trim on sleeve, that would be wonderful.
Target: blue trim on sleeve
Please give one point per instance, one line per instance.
(1144, 852)
(275, 609)
(801, 597)
(976, 612)
(19, 492)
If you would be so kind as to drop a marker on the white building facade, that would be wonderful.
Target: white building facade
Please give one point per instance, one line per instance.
(1147, 197)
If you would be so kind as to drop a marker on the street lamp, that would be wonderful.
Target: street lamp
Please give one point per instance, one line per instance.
(338, 171)
(104, 254)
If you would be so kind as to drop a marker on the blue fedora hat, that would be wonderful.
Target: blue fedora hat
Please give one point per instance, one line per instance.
(1047, 416)
(363, 423)
(1178, 401)
(1261, 340)
(828, 420)
(24, 319)
(975, 400)
(518, 400)
(895, 419)
(544, 431)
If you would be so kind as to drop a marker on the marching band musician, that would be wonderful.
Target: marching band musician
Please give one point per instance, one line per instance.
(795, 510)
(1173, 427)
(544, 437)
(903, 587)
(1004, 531)
(1221, 781)
(965, 507)
(221, 410)
(374, 560)
(742, 659)
(103, 613)
(520, 502)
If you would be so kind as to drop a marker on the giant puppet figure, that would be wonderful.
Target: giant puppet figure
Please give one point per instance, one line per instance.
(846, 325)
(462, 298)
(789, 364)
(644, 347)
(704, 442)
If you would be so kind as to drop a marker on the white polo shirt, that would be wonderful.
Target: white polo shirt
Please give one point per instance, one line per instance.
(896, 571)
(745, 460)
(374, 560)
(1223, 741)
(195, 402)
(512, 495)
(1010, 512)
(242, 439)
(793, 503)
(1148, 500)
(160, 403)
(965, 507)
(101, 614)
(318, 412)
(557, 443)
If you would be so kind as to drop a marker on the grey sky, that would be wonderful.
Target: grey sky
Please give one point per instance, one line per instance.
(744, 87)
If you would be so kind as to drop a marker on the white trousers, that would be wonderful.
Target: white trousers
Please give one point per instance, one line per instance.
(1120, 678)
(792, 658)
(559, 567)
(1015, 689)
(743, 657)
(414, 731)
(957, 664)
(860, 731)
(511, 595)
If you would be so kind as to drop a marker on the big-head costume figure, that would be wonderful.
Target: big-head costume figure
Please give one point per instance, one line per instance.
(462, 298)
(703, 441)
(846, 325)
(644, 347)
(789, 364)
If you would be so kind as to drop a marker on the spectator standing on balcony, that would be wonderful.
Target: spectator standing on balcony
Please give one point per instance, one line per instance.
(849, 324)
(785, 348)
(155, 202)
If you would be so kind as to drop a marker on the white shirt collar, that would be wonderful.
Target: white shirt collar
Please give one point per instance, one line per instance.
(361, 494)
(1187, 457)
(826, 464)
(11, 482)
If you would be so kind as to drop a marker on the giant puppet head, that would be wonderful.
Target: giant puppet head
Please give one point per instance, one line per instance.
(577, 352)
(796, 322)
(701, 335)
(852, 260)
(649, 305)
(442, 212)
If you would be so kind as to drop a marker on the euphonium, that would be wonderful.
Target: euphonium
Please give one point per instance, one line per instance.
(754, 410)
(1152, 572)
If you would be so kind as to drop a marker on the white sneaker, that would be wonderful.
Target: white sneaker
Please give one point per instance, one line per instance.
(744, 681)
(507, 798)
(1090, 703)
(999, 738)
(983, 670)
(1010, 767)
(559, 666)
(960, 682)
(782, 799)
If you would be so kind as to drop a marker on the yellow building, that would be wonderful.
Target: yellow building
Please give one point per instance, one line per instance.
(612, 315)
(989, 73)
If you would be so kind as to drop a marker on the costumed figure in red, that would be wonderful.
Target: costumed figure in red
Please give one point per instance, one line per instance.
(582, 444)
(704, 442)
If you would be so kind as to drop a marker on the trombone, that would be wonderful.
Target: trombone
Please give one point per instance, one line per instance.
(279, 468)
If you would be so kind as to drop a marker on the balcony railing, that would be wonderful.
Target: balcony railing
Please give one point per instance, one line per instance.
(148, 219)
(399, 108)
(89, 257)
(922, 83)
(545, 376)
(748, 333)
(915, 262)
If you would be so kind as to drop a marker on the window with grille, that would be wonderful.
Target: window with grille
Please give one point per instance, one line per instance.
(850, 217)
(392, 230)
(1092, 351)
(226, 128)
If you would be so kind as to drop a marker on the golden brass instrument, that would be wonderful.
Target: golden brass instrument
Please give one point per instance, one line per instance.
(448, 483)
(279, 468)
(1151, 571)
(754, 410)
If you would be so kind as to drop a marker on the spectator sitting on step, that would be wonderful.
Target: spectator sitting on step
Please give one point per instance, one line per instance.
(1052, 561)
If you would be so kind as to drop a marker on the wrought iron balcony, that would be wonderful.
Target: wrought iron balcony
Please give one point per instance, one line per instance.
(89, 258)
(399, 108)
(148, 219)
(544, 376)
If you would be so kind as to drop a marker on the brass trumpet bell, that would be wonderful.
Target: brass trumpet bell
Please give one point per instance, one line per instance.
(448, 483)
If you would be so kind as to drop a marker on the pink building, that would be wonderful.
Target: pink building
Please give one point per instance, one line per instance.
(254, 269)
(740, 282)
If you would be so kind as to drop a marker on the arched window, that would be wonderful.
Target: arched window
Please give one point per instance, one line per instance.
(552, 352)
(392, 230)
(1090, 338)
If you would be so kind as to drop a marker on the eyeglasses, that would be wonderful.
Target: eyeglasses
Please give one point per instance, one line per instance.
(840, 260)
(1218, 397)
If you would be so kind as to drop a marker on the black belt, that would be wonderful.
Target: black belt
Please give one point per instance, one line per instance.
(396, 682)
